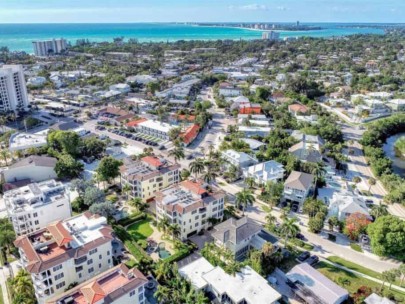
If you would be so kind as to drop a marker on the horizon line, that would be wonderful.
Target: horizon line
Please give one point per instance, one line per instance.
(209, 22)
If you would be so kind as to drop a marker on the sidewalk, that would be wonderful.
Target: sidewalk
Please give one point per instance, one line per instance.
(4, 274)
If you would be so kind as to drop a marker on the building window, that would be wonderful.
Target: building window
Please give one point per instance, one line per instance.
(141, 297)
(90, 262)
(132, 293)
(36, 222)
(99, 265)
(91, 270)
(100, 256)
(93, 251)
(56, 268)
(35, 214)
(60, 285)
(108, 252)
(59, 276)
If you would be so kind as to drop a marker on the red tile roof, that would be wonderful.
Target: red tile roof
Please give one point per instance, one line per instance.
(134, 123)
(195, 187)
(184, 117)
(93, 292)
(250, 110)
(298, 108)
(152, 160)
(59, 233)
(190, 134)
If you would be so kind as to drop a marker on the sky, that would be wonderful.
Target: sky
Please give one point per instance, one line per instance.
(128, 11)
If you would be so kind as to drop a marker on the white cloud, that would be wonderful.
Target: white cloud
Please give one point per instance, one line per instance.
(251, 7)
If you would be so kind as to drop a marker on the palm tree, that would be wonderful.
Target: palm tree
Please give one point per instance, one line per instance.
(4, 154)
(210, 176)
(177, 153)
(197, 166)
(175, 230)
(137, 203)
(164, 224)
(250, 182)
(232, 268)
(371, 182)
(379, 210)
(271, 221)
(126, 189)
(162, 293)
(230, 211)
(244, 198)
(289, 228)
(163, 271)
(318, 171)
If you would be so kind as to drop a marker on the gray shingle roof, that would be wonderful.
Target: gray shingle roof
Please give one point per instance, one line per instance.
(299, 180)
(235, 231)
(34, 160)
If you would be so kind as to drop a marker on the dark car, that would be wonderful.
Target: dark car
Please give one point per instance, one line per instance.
(312, 260)
(301, 237)
(294, 208)
(303, 256)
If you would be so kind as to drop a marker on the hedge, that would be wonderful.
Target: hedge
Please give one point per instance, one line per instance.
(179, 255)
(132, 219)
(130, 244)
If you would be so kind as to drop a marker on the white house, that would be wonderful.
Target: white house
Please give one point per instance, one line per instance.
(246, 286)
(36, 81)
(345, 204)
(70, 251)
(34, 206)
(298, 186)
(270, 171)
(155, 128)
(34, 168)
(314, 287)
(228, 90)
(121, 87)
(239, 159)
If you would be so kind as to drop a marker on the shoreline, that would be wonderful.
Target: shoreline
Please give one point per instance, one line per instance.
(257, 30)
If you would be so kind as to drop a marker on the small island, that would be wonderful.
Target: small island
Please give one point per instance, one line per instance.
(400, 147)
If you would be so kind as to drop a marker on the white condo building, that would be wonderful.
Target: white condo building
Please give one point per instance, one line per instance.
(49, 47)
(13, 90)
(65, 252)
(34, 206)
(190, 204)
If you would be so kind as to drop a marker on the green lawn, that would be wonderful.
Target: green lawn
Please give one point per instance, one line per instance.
(140, 230)
(350, 281)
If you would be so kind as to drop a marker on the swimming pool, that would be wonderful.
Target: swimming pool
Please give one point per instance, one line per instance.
(163, 253)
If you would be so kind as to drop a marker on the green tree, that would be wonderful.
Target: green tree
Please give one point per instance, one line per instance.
(209, 176)
(106, 209)
(197, 166)
(244, 198)
(250, 182)
(289, 229)
(5, 154)
(177, 153)
(66, 142)
(68, 167)
(387, 236)
(108, 169)
(379, 210)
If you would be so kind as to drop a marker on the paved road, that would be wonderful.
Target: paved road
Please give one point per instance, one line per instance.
(358, 165)
(323, 247)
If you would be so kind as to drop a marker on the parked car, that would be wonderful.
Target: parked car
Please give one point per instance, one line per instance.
(312, 260)
(303, 256)
(301, 237)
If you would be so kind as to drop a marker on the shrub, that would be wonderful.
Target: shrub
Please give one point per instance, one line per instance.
(132, 219)
(143, 244)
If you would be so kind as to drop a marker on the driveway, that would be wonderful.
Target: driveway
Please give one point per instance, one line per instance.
(200, 240)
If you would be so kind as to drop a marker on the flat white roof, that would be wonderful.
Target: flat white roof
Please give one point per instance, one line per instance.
(84, 230)
(246, 284)
(194, 272)
(20, 141)
(156, 125)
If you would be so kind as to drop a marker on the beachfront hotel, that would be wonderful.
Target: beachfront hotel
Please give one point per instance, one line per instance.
(66, 252)
(190, 204)
(49, 47)
(13, 89)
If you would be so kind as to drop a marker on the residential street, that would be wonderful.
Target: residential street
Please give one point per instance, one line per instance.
(323, 247)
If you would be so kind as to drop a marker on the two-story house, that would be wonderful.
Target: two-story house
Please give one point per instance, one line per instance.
(298, 186)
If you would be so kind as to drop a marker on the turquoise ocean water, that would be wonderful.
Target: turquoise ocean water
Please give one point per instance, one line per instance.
(18, 37)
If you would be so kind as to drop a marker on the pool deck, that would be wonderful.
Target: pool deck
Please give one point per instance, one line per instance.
(157, 236)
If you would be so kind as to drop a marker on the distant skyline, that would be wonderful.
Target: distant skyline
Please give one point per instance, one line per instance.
(128, 11)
